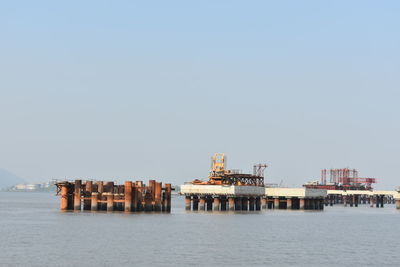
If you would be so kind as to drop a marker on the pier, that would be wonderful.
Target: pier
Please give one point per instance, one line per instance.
(222, 197)
(353, 198)
(295, 198)
(235, 191)
(106, 196)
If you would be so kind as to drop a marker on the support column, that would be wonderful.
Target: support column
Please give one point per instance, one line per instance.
(188, 202)
(258, 203)
(245, 203)
(312, 204)
(94, 204)
(231, 203)
(202, 203)
(77, 194)
(148, 200)
(195, 203)
(139, 189)
(110, 201)
(276, 203)
(251, 203)
(87, 196)
(134, 206)
(223, 204)
(168, 196)
(152, 186)
(264, 203)
(216, 203)
(209, 202)
(128, 196)
(289, 203)
(238, 203)
(64, 197)
(301, 203)
(100, 190)
(157, 199)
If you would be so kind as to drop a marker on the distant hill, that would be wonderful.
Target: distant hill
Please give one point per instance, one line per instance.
(8, 179)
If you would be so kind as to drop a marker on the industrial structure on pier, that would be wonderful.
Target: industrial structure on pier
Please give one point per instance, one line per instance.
(130, 197)
(233, 190)
(342, 179)
(347, 188)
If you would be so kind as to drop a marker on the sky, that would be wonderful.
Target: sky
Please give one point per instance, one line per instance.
(152, 89)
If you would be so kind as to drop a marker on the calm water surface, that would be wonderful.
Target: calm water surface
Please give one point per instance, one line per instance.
(33, 232)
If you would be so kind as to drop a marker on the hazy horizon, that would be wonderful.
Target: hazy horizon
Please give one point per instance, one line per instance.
(152, 90)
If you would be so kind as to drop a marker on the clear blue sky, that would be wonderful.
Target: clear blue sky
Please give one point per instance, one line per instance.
(151, 89)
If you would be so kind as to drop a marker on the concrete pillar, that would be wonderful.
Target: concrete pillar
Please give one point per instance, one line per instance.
(302, 203)
(64, 197)
(188, 202)
(238, 203)
(397, 203)
(216, 203)
(310, 204)
(258, 203)
(289, 203)
(264, 203)
(231, 203)
(202, 203)
(110, 201)
(245, 203)
(251, 203)
(209, 202)
(87, 196)
(276, 203)
(195, 203)
(128, 196)
(223, 203)
(77, 194)
(94, 204)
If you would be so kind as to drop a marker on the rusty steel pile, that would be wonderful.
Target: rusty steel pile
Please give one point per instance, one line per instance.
(130, 197)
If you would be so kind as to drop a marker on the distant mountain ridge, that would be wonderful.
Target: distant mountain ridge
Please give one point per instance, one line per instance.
(8, 179)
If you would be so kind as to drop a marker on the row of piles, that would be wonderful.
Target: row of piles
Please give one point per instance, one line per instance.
(355, 200)
(130, 197)
(244, 203)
